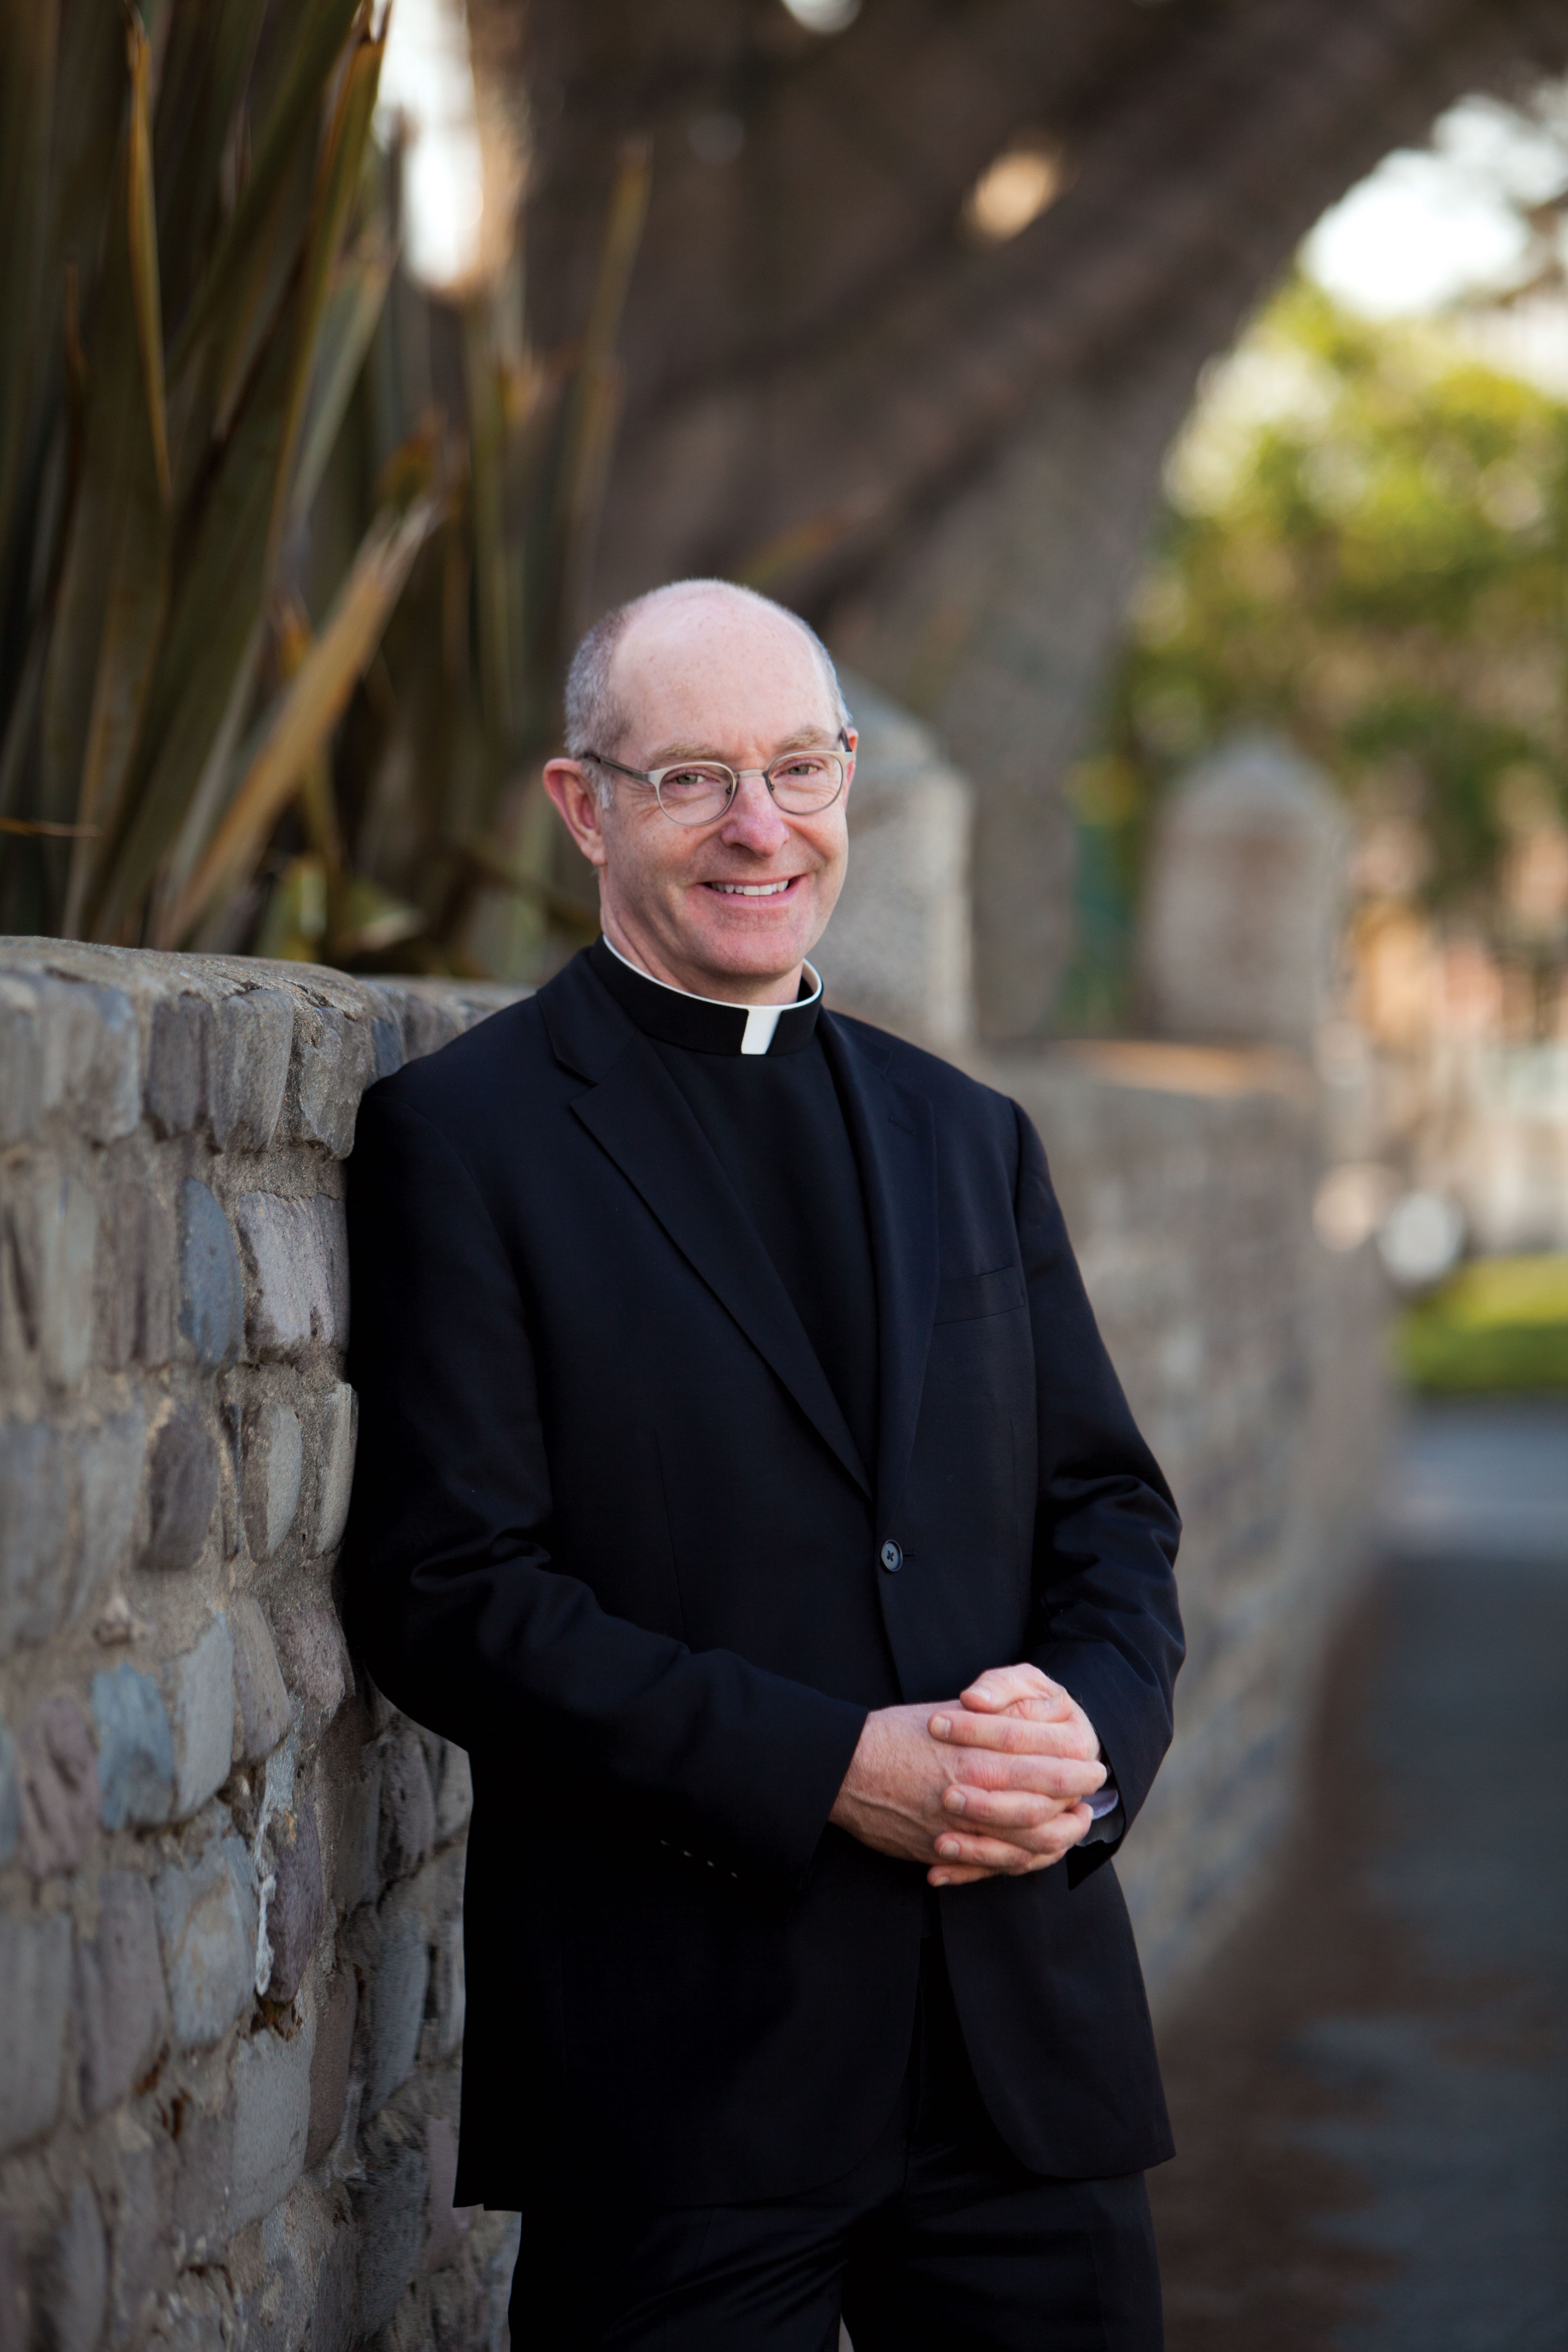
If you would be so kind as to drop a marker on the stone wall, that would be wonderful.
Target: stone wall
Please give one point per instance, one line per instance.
(230, 1973)
(231, 1983)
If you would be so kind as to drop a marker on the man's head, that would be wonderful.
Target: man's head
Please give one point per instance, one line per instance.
(704, 670)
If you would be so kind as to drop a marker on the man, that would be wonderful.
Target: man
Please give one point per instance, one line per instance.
(743, 1483)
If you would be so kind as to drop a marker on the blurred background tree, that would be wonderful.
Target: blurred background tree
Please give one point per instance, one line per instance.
(1366, 547)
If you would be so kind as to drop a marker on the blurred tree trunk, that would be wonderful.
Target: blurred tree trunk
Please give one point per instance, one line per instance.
(945, 452)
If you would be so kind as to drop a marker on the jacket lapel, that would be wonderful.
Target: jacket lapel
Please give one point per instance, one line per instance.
(895, 1146)
(638, 1116)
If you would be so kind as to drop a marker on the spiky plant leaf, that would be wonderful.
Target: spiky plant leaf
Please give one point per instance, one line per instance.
(309, 708)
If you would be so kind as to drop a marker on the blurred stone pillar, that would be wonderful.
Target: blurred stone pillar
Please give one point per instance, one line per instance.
(897, 951)
(1240, 930)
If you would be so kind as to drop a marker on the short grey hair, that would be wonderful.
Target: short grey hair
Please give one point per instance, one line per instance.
(594, 720)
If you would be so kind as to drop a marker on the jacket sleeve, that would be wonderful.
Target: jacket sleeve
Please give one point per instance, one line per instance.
(450, 1596)
(1106, 1624)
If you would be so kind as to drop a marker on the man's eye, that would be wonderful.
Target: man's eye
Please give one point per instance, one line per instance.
(687, 779)
(802, 768)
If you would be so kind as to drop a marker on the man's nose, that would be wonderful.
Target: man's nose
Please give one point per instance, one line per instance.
(752, 821)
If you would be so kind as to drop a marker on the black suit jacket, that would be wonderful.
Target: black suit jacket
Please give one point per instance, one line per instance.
(612, 1534)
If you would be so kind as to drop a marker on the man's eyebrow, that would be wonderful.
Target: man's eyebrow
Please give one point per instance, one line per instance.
(804, 737)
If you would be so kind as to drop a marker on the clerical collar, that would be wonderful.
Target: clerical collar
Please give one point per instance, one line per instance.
(705, 1025)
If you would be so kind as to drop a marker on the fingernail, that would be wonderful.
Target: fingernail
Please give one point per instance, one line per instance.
(949, 1847)
(938, 1878)
(940, 1725)
(955, 1800)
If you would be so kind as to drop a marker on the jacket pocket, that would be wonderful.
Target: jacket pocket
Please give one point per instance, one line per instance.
(966, 1298)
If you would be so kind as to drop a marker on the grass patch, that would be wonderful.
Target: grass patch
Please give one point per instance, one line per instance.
(1497, 1324)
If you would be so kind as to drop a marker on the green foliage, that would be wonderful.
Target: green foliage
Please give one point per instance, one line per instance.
(288, 553)
(1500, 1323)
(1365, 547)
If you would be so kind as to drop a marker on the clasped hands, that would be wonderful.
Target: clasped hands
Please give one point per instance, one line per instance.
(993, 1784)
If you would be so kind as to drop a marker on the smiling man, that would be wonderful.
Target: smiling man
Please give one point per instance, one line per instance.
(743, 1483)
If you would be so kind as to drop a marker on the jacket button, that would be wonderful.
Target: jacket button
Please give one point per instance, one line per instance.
(893, 1557)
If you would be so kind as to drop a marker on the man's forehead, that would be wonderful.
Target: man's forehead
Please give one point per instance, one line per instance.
(679, 644)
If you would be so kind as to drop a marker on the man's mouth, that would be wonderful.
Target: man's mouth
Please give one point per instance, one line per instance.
(753, 889)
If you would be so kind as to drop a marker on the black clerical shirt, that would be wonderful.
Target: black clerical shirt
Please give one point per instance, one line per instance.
(771, 1111)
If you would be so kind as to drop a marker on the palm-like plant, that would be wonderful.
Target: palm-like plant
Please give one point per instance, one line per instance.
(279, 632)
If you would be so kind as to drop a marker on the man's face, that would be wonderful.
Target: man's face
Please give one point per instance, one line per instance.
(732, 908)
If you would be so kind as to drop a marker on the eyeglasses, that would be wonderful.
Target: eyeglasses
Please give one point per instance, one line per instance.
(700, 792)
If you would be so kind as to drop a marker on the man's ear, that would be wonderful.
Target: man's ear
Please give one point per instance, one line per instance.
(568, 785)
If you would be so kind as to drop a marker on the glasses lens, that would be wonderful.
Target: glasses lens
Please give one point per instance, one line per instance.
(806, 781)
(695, 794)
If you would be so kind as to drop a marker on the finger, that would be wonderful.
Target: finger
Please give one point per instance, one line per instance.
(1015, 1735)
(1010, 1855)
(1001, 1807)
(1062, 1779)
(954, 1874)
(1039, 1780)
(1002, 1687)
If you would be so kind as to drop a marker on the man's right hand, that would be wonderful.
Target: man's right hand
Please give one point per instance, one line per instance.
(896, 1795)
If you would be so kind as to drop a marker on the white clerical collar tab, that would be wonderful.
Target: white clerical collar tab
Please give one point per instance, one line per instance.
(760, 1022)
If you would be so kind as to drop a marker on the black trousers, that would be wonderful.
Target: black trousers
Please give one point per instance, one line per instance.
(938, 2238)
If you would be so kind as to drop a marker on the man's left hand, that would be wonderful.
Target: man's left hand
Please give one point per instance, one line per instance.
(995, 1707)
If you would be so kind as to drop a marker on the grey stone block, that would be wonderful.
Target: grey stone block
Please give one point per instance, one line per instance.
(108, 1462)
(448, 2224)
(182, 1491)
(447, 2000)
(314, 1659)
(388, 1036)
(291, 1300)
(56, 1235)
(357, 1796)
(204, 2177)
(34, 1518)
(207, 1919)
(408, 1808)
(329, 2065)
(454, 1800)
(137, 1254)
(298, 1904)
(59, 1789)
(10, 1797)
(34, 1987)
(396, 2000)
(106, 1096)
(212, 1298)
(254, 1035)
(274, 1465)
(198, 1689)
(135, 1748)
(390, 2205)
(271, 2120)
(177, 1060)
(332, 1223)
(72, 2279)
(141, 2249)
(21, 1062)
(261, 1700)
(335, 1064)
(337, 1437)
(88, 1048)
(122, 2007)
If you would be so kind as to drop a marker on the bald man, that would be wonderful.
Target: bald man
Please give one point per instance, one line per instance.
(742, 1482)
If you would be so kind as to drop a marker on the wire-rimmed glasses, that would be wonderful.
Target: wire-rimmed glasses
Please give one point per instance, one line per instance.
(700, 792)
